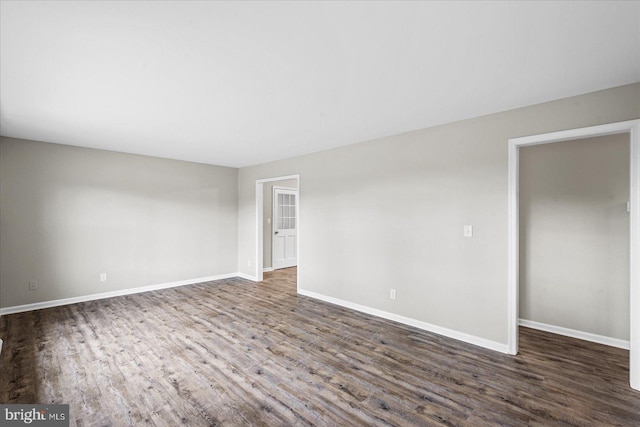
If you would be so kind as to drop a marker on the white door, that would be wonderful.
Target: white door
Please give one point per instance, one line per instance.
(285, 228)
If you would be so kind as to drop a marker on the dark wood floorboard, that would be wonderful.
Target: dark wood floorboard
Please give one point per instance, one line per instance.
(237, 353)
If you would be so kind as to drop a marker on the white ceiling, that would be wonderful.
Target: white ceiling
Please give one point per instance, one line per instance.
(242, 83)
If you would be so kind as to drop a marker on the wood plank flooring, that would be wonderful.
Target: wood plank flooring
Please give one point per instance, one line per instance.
(237, 353)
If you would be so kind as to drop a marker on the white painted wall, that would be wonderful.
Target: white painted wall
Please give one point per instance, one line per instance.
(574, 235)
(68, 214)
(389, 213)
(268, 213)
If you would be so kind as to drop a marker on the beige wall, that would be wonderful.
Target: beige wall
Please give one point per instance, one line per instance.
(267, 214)
(68, 214)
(389, 213)
(574, 235)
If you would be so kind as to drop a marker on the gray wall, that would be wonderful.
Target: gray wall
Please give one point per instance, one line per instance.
(376, 215)
(574, 235)
(68, 214)
(389, 213)
(267, 213)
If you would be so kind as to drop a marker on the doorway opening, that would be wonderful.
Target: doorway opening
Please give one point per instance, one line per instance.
(289, 216)
(632, 128)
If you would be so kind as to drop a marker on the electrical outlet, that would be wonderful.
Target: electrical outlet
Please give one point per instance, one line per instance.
(103, 277)
(33, 285)
(392, 293)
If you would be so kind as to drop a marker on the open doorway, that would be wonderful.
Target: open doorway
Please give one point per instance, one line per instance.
(630, 128)
(574, 238)
(277, 215)
(280, 225)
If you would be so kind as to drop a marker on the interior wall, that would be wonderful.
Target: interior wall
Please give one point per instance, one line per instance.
(268, 213)
(574, 235)
(68, 214)
(389, 213)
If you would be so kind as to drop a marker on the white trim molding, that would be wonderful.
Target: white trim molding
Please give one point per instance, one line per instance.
(247, 277)
(581, 335)
(632, 127)
(449, 333)
(103, 295)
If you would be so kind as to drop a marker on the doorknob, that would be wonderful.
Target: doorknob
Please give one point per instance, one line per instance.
(275, 232)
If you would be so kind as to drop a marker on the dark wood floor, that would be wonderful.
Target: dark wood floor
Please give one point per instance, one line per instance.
(238, 353)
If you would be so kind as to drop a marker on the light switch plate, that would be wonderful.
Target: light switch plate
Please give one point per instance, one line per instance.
(468, 231)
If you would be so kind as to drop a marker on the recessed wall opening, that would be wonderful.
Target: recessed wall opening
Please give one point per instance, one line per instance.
(265, 229)
(280, 228)
(574, 238)
(591, 181)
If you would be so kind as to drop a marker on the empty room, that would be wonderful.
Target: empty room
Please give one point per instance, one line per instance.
(329, 213)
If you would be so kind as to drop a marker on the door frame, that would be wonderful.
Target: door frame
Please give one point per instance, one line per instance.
(260, 226)
(632, 127)
(273, 216)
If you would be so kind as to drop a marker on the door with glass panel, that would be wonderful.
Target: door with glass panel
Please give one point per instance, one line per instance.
(285, 228)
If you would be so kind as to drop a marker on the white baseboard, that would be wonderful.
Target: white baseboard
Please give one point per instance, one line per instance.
(450, 333)
(587, 336)
(0, 345)
(267, 269)
(247, 277)
(92, 297)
